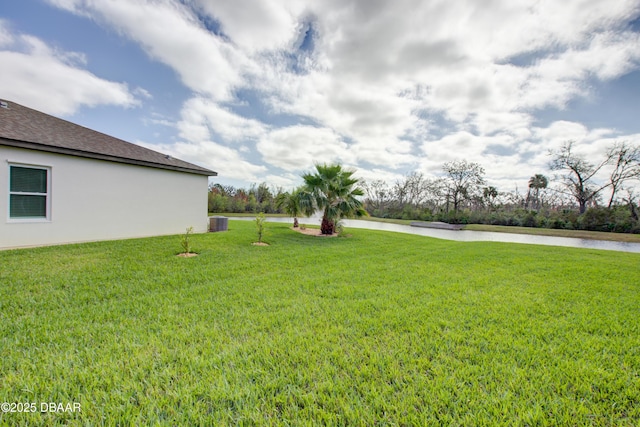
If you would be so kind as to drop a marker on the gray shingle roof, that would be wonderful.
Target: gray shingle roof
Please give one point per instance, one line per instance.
(26, 128)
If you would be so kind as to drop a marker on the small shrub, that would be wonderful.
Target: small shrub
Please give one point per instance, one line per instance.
(461, 217)
(497, 219)
(595, 219)
(530, 220)
(260, 219)
(544, 222)
(186, 240)
(426, 215)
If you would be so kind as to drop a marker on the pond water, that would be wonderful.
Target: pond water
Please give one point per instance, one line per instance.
(471, 236)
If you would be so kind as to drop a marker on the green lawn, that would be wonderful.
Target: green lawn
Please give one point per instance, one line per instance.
(374, 329)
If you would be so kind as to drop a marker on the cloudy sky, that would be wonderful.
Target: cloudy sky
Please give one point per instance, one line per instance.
(260, 90)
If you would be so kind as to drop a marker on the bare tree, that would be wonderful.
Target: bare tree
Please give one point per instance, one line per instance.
(436, 193)
(416, 186)
(626, 166)
(579, 178)
(631, 201)
(400, 193)
(378, 194)
(463, 179)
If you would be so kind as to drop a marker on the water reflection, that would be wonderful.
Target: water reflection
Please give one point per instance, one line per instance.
(472, 236)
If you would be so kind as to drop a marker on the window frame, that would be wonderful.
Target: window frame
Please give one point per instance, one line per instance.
(47, 195)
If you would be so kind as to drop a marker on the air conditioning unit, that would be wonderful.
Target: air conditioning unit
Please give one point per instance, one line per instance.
(218, 223)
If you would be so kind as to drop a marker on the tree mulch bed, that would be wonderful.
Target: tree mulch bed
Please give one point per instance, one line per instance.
(313, 232)
(187, 255)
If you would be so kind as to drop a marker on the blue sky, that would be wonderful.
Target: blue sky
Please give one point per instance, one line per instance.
(259, 91)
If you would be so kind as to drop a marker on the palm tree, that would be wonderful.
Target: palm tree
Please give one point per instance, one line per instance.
(538, 182)
(490, 193)
(332, 190)
(290, 202)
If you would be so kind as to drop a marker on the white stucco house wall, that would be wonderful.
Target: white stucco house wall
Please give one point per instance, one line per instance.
(64, 183)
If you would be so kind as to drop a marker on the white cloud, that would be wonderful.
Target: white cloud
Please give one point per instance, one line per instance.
(561, 131)
(6, 39)
(142, 93)
(223, 160)
(201, 116)
(455, 147)
(272, 23)
(50, 80)
(287, 181)
(510, 160)
(556, 79)
(297, 148)
(171, 33)
(389, 86)
(369, 175)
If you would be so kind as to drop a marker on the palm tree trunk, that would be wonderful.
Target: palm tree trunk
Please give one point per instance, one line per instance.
(327, 226)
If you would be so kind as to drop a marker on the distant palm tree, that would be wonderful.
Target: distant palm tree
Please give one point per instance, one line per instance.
(332, 190)
(537, 182)
(290, 202)
(490, 193)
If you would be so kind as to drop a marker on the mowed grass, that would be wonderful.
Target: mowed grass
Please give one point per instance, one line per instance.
(374, 329)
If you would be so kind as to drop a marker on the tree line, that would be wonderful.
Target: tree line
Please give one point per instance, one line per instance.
(572, 199)
(583, 194)
(257, 198)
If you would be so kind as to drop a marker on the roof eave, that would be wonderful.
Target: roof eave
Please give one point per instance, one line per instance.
(97, 156)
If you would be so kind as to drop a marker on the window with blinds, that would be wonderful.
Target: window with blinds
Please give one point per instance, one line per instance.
(28, 192)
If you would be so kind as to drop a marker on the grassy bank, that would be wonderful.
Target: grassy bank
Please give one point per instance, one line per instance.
(375, 329)
(247, 215)
(576, 234)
